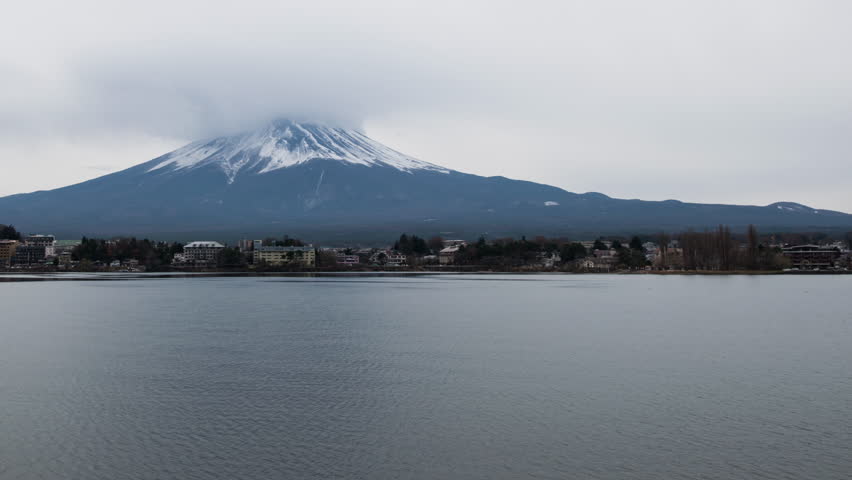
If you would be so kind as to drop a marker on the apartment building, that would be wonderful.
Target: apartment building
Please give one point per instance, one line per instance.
(285, 255)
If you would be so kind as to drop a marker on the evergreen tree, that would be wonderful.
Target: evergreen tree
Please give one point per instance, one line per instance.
(636, 244)
(572, 251)
(631, 258)
(231, 257)
(411, 245)
(8, 232)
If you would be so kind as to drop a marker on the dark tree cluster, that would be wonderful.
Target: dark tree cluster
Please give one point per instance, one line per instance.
(573, 251)
(633, 255)
(232, 257)
(411, 245)
(506, 251)
(148, 253)
(500, 252)
(286, 241)
(713, 250)
(8, 232)
(718, 250)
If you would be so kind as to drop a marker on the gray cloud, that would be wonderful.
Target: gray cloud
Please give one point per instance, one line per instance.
(706, 101)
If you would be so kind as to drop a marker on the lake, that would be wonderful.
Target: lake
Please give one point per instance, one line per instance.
(427, 377)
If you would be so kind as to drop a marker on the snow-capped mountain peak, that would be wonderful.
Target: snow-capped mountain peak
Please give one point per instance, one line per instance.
(285, 143)
(794, 207)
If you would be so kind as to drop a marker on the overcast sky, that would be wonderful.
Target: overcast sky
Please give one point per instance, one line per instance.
(710, 101)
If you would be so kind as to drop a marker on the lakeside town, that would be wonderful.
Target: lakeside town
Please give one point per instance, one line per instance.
(711, 251)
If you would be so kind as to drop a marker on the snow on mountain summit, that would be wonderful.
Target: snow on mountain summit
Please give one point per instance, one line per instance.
(285, 143)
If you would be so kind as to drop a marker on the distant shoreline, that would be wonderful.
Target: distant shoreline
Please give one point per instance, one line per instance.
(31, 276)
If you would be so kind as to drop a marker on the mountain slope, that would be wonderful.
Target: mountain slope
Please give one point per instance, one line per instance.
(332, 184)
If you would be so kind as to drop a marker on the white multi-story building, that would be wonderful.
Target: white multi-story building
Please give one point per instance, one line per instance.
(388, 258)
(46, 241)
(396, 259)
(203, 252)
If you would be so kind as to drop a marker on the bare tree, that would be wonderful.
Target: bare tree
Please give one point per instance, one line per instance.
(663, 239)
(436, 244)
(753, 244)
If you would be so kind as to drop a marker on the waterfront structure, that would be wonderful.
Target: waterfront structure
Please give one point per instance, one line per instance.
(812, 256)
(549, 260)
(202, 252)
(670, 258)
(587, 264)
(245, 245)
(453, 243)
(64, 246)
(589, 245)
(652, 250)
(7, 251)
(591, 264)
(388, 258)
(64, 257)
(447, 256)
(284, 255)
(343, 259)
(29, 254)
(601, 264)
(610, 254)
(396, 259)
(48, 242)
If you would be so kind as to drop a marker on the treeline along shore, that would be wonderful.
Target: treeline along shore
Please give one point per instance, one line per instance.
(711, 251)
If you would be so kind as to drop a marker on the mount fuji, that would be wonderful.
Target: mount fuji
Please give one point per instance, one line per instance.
(330, 184)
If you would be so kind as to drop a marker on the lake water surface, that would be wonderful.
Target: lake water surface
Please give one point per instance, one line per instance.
(427, 377)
